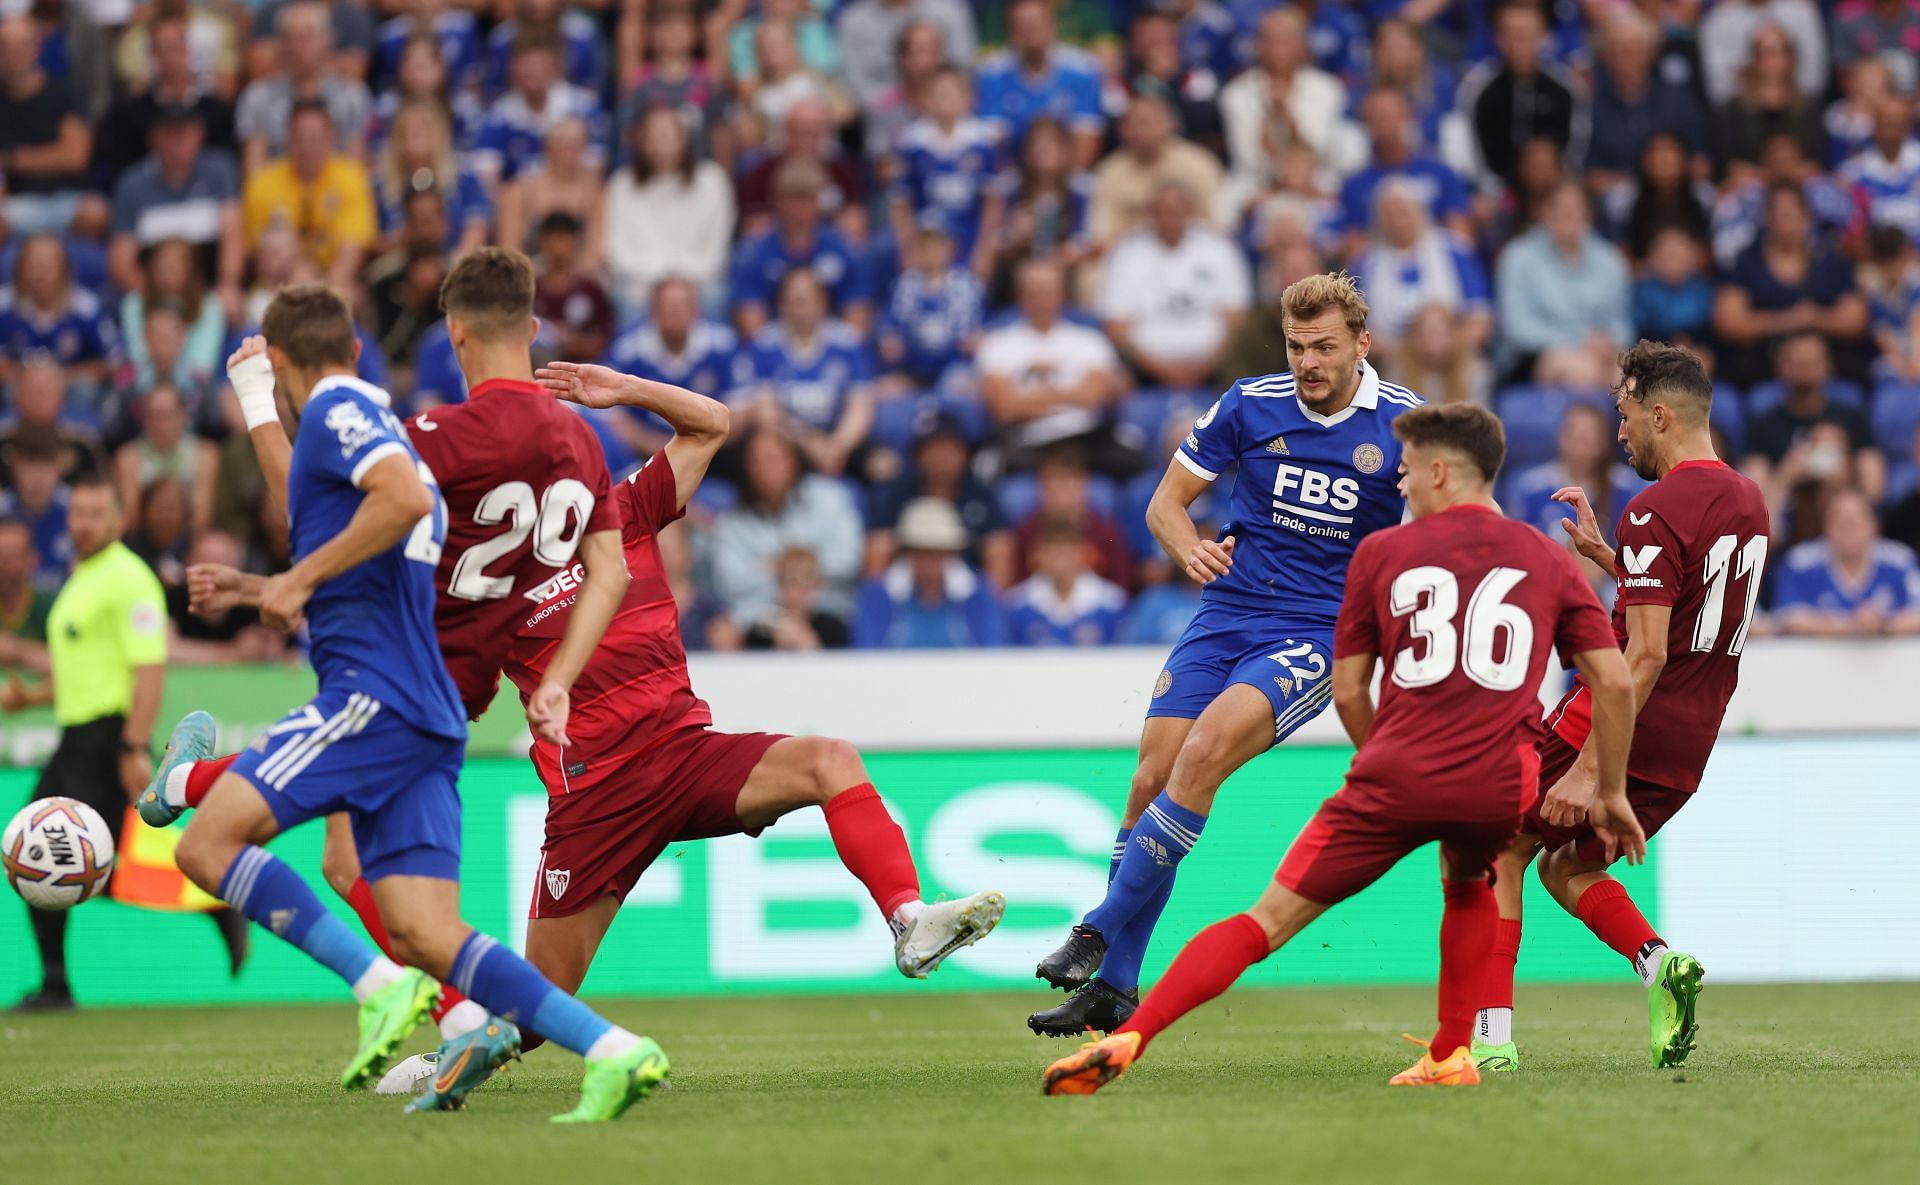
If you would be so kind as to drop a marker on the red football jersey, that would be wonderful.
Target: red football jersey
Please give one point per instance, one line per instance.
(524, 480)
(1695, 540)
(1461, 606)
(635, 688)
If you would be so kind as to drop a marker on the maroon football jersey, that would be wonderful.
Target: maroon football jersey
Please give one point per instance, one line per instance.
(1695, 540)
(1461, 607)
(524, 479)
(635, 688)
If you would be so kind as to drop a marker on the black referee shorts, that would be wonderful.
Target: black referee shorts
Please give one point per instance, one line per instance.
(86, 765)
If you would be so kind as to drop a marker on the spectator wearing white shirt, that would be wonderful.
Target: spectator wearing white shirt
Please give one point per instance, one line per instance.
(1046, 379)
(1173, 292)
(1283, 98)
(667, 214)
(307, 72)
(1726, 42)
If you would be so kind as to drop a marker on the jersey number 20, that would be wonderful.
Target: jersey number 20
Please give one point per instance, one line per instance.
(556, 521)
(1430, 598)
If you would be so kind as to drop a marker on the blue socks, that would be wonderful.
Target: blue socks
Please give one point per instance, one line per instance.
(1119, 851)
(262, 886)
(509, 987)
(1141, 884)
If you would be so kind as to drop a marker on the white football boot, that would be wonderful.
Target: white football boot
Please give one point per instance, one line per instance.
(944, 927)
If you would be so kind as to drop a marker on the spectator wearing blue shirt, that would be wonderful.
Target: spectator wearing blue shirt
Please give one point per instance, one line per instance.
(1673, 300)
(455, 30)
(419, 154)
(1207, 35)
(1885, 175)
(514, 135)
(1890, 277)
(1064, 603)
(1391, 135)
(1564, 298)
(36, 494)
(422, 77)
(1631, 103)
(932, 319)
(929, 598)
(1411, 264)
(676, 345)
(1046, 202)
(574, 29)
(1849, 581)
(948, 161)
(44, 314)
(800, 238)
(1740, 216)
(812, 376)
(1036, 76)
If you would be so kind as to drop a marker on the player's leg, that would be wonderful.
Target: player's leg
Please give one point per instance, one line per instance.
(221, 852)
(1493, 1045)
(797, 772)
(1468, 928)
(453, 1013)
(1095, 1003)
(185, 773)
(1577, 877)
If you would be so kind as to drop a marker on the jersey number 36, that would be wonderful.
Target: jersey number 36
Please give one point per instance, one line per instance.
(1429, 597)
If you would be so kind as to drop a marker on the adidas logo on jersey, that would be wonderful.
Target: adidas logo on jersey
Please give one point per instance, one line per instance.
(1278, 445)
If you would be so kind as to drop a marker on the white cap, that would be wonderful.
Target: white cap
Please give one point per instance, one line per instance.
(931, 524)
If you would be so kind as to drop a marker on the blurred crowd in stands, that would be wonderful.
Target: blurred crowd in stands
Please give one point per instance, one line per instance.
(967, 271)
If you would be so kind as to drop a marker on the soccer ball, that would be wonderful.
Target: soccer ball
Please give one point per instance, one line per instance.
(56, 853)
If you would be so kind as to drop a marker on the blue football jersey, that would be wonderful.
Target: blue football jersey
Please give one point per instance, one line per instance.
(813, 383)
(1068, 90)
(949, 174)
(1310, 488)
(371, 627)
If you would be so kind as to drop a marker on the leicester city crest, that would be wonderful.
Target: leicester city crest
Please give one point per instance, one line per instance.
(1368, 458)
(1162, 684)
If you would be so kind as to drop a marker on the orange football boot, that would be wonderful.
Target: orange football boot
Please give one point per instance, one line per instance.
(1456, 1069)
(1093, 1065)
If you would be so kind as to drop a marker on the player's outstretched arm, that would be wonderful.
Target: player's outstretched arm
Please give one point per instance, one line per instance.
(252, 379)
(213, 589)
(1614, 708)
(1170, 520)
(1353, 695)
(396, 499)
(700, 425)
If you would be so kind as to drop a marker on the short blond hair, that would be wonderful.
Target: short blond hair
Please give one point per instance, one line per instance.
(1310, 296)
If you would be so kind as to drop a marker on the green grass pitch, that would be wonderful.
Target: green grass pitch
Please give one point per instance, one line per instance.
(1806, 1084)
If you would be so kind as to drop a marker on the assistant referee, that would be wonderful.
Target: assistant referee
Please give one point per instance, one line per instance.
(107, 644)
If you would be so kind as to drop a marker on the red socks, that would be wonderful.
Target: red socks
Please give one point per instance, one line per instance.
(202, 776)
(1206, 967)
(873, 847)
(1467, 935)
(1496, 991)
(360, 897)
(1614, 918)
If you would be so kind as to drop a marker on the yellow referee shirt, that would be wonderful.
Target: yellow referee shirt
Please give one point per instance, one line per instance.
(109, 618)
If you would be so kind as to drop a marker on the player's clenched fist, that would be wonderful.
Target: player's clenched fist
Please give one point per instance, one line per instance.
(283, 600)
(212, 589)
(1208, 561)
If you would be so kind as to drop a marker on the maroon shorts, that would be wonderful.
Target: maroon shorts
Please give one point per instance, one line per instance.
(682, 787)
(1351, 842)
(1652, 805)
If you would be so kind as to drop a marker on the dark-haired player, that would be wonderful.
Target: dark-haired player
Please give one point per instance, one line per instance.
(1693, 549)
(1462, 605)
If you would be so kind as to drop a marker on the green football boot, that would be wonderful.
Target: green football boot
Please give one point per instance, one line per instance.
(465, 1062)
(1670, 1008)
(1496, 1059)
(613, 1084)
(386, 1019)
(191, 740)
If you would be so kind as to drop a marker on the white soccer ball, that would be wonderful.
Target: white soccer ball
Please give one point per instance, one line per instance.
(56, 853)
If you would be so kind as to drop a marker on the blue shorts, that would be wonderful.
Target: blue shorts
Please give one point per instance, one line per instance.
(342, 752)
(1289, 662)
